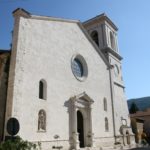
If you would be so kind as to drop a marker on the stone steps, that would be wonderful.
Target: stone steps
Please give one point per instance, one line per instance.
(107, 148)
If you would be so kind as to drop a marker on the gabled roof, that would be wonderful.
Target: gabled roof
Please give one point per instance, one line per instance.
(22, 10)
(24, 13)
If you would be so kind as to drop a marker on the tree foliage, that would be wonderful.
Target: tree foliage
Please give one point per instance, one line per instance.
(133, 109)
(19, 144)
(134, 126)
(134, 129)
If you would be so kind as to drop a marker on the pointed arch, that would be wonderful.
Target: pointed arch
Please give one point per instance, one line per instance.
(42, 89)
(94, 36)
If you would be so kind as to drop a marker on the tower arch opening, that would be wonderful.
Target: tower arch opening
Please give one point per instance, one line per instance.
(94, 36)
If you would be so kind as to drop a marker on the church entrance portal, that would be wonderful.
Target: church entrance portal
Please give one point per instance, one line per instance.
(80, 128)
(80, 121)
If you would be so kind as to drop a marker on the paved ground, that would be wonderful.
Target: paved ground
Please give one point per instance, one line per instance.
(140, 148)
(147, 148)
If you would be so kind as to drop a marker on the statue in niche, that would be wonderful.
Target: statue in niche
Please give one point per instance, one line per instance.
(42, 120)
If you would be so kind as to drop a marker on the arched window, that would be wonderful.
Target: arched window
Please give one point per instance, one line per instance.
(106, 124)
(105, 104)
(42, 120)
(95, 38)
(112, 41)
(42, 89)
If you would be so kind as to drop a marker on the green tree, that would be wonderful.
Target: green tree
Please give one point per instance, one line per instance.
(133, 109)
(19, 144)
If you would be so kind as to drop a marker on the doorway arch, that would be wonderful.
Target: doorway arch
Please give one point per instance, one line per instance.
(80, 121)
(80, 128)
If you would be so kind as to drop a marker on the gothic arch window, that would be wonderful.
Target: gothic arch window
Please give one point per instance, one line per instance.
(105, 104)
(42, 89)
(106, 124)
(94, 36)
(42, 120)
(112, 41)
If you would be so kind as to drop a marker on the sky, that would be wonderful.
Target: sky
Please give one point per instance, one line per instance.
(132, 17)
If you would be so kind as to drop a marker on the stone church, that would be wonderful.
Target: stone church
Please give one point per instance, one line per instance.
(64, 83)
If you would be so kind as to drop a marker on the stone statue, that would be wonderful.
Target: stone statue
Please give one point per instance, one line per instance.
(42, 121)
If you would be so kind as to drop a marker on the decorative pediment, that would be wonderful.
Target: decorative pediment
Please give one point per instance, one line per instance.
(82, 97)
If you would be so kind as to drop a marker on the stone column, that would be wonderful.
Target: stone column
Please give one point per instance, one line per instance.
(74, 141)
(90, 133)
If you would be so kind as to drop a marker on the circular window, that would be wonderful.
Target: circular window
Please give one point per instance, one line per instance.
(79, 67)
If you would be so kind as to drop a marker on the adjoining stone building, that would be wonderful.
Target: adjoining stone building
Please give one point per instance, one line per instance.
(4, 69)
(142, 120)
(65, 80)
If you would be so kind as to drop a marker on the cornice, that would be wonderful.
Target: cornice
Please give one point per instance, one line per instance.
(108, 49)
(98, 19)
(119, 84)
(23, 13)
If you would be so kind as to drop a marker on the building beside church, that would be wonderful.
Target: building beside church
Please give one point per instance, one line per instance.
(4, 69)
(142, 121)
(65, 82)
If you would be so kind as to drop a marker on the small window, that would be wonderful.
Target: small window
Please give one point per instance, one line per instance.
(94, 36)
(112, 41)
(105, 104)
(42, 89)
(42, 120)
(106, 124)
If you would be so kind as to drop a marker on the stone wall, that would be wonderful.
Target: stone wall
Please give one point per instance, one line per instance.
(44, 51)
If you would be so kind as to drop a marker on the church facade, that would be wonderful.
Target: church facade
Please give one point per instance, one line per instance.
(65, 83)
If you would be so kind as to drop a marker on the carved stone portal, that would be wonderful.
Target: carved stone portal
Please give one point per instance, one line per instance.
(80, 104)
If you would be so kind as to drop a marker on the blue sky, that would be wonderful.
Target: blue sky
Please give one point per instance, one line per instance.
(131, 16)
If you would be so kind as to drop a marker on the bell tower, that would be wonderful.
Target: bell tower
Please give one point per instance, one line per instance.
(104, 33)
